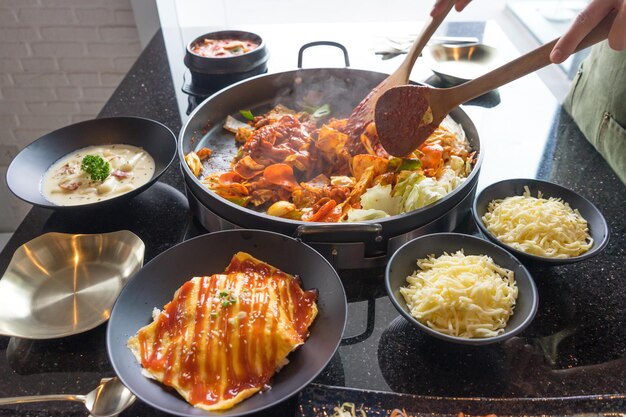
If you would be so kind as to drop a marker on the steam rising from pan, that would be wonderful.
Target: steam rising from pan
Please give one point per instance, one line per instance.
(342, 93)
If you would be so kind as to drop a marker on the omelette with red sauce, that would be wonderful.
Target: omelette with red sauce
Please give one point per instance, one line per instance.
(222, 337)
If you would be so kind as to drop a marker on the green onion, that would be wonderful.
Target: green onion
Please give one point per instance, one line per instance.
(410, 165)
(227, 298)
(228, 303)
(321, 111)
(247, 114)
(316, 112)
(403, 164)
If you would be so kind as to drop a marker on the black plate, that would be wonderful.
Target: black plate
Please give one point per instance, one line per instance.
(155, 284)
(28, 167)
(598, 228)
(403, 263)
(318, 400)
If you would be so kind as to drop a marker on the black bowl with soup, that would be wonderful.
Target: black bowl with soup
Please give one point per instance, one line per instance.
(218, 59)
(598, 229)
(49, 171)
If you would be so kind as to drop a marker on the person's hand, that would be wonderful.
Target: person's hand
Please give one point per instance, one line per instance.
(585, 22)
(440, 5)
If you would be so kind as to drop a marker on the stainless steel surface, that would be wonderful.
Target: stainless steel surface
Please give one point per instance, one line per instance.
(459, 63)
(348, 253)
(109, 398)
(61, 284)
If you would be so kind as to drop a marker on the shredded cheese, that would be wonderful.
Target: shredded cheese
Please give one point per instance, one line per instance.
(348, 410)
(466, 296)
(537, 226)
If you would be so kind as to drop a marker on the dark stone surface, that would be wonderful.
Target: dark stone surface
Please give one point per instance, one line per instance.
(575, 346)
(320, 400)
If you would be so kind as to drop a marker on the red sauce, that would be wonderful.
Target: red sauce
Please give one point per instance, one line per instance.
(273, 143)
(296, 302)
(234, 333)
(397, 128)
(222, 48)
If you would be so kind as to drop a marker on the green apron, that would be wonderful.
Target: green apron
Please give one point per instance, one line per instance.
(597, 103)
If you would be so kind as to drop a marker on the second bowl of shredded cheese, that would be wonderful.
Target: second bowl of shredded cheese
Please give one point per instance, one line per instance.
(461, 295)
(540, 221)
(461, 288)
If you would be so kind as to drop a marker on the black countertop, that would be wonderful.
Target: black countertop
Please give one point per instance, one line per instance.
(575, 346)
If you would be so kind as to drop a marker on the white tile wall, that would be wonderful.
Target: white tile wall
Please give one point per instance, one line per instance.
(60, 60)
(224, 13)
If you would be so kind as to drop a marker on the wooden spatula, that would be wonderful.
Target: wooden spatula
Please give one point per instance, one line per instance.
(405, 116)
(364, 112)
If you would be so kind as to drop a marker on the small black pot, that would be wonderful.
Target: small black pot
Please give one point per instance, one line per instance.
(216, 73)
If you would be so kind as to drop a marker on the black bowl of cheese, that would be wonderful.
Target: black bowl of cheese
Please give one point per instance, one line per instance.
(461, 289)
(540, 222)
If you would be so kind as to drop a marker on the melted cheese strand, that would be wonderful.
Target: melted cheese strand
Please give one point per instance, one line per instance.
(538, 226)
(466, 296)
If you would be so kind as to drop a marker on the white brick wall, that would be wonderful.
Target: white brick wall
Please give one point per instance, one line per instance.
(60, 60)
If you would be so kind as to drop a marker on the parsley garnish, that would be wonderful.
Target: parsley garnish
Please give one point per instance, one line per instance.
(96, 167)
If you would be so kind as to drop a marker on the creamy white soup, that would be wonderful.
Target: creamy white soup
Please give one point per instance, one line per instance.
(108, 171)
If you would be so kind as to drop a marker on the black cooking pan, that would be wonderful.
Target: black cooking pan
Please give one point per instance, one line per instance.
(155, 284)
(343, 88)
(28, 167)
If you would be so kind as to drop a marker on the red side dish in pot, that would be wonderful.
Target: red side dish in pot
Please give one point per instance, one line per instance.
(222, 48)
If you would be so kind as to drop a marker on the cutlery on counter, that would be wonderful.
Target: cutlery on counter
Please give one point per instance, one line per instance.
(109, 398)
(406, 115)
(364, 111)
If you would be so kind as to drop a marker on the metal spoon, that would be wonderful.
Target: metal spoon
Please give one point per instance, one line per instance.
(405, 116)
(109, 399)
(364, 112)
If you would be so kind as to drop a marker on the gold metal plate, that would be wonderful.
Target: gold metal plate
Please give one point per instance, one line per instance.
(62, 284)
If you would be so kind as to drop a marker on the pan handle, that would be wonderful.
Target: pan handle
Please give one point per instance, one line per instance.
(324, 43)
(340, 228)
(355, 237)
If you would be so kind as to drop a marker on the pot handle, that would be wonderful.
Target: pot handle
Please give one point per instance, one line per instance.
(323, 238)
(324, 43)
(334, 228)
